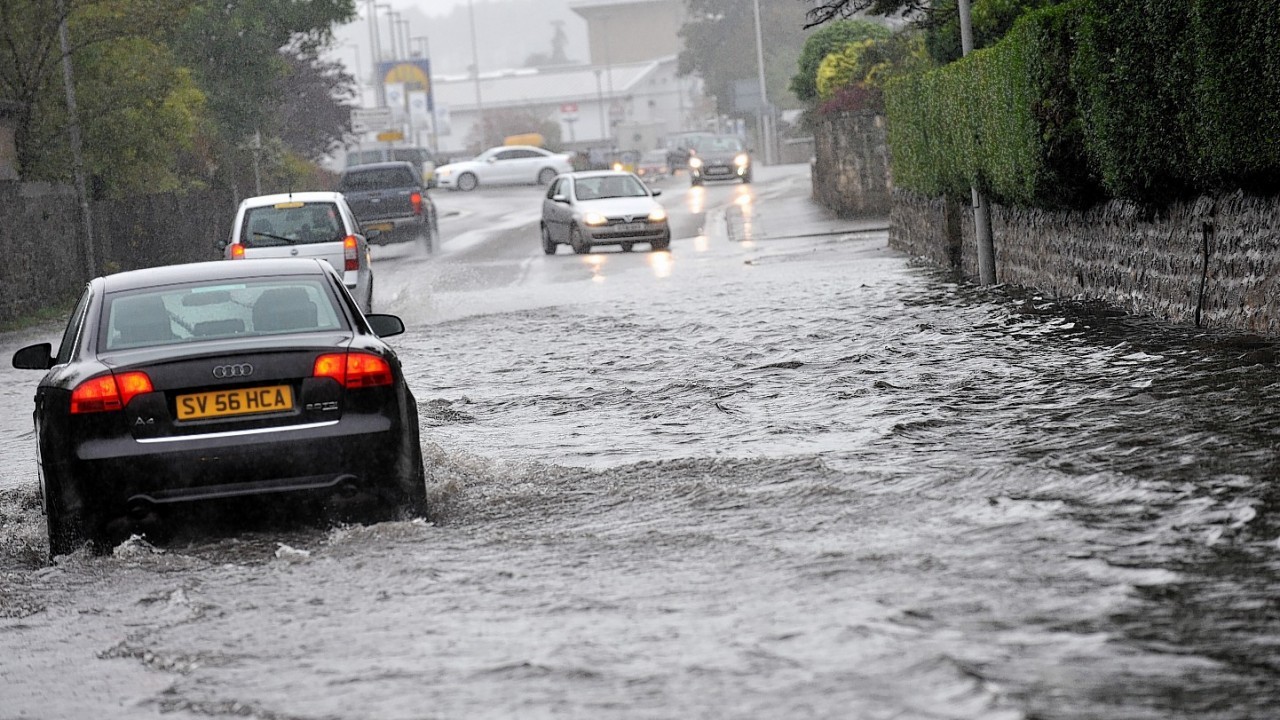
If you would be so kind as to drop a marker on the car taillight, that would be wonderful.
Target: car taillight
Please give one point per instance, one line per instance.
(237, 251)
(350, 253)
(354, 370)
(416, 199)
(107, 393)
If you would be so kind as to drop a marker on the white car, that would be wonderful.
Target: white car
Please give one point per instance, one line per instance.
(305, 225)
(504, 165)
(602, 207)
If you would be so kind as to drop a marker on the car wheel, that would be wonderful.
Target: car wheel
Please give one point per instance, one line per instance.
(694, 182)
(626, 247)
(549, 246)
(576, 241)
(66, 532)
(546, 175)
(746, 178)
(467, 182)
(368, 299)
(662, 244)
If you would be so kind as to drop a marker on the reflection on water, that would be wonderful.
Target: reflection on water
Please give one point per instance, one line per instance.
(660, 262)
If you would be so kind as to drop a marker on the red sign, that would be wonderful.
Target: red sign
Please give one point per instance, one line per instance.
(569, 108)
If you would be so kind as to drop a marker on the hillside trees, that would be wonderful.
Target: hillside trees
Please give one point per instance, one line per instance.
(169, 90)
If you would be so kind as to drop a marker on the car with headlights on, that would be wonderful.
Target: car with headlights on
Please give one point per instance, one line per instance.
(305, 225)
(718, 157)
(602, 207)
(186, 389)
(504, 165)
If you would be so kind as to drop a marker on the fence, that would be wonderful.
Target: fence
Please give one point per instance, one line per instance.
(41, 239)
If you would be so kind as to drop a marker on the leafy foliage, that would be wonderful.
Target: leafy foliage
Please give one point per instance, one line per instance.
(870, 63)
(833, 38)
(720, 45)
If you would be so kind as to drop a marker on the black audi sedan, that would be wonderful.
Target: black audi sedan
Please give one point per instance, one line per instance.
(190, 386)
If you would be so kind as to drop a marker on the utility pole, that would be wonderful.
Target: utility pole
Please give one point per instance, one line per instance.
(376, 51)
(981, 208)
(77, 156)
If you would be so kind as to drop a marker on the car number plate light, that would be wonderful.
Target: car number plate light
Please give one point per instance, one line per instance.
(241, 401)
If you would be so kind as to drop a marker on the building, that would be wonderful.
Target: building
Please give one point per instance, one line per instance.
(624, 31)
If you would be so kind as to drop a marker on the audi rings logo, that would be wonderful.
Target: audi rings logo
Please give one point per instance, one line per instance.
(243, 370)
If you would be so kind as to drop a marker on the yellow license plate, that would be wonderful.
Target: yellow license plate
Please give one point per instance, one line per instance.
(383, 227)
(243, 401)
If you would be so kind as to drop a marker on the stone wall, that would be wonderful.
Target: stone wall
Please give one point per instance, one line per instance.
(851, 164)
(1214, 262)
(40, 240)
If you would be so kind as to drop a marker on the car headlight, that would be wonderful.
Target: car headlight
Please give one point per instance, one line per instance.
(658, 215)
(741, 160)
(594, 218)
(444, 172)
(695, 162)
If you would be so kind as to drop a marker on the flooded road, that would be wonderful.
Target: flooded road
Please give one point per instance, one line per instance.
(778, 472)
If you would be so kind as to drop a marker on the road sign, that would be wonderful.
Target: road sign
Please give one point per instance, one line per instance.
(390, 136)
(365, 120)
(567, 109)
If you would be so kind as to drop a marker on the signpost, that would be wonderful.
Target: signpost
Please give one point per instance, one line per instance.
(365, 120)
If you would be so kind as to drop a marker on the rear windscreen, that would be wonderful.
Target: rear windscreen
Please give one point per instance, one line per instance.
(291, 223)
(193, 312)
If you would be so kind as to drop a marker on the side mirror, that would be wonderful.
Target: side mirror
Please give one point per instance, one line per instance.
(657, 192)
(491, 159)
(385, 325)
(221, 245)
(560, 199)
(34, 357)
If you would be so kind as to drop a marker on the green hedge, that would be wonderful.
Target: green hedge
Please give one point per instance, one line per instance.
(1150, 100)
(1002, 118)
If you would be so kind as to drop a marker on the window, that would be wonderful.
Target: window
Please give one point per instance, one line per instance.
(291, 223)
(377, 179)
(192, 313)
(610, 186)
(72, 333)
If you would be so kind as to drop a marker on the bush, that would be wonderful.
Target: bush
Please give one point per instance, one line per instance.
(1002, 119)
(830, 38)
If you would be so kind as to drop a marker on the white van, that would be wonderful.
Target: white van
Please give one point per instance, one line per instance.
(419, 156)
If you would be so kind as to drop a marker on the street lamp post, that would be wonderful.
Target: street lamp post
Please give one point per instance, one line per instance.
(604, 133)
(764, 118)
(981, 208)
(475, 65)
(376, 52)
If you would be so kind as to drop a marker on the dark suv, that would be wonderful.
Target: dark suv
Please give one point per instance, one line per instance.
(391, 204)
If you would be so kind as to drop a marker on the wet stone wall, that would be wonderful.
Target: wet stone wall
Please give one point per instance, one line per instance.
(851, 165)
(1214, 262)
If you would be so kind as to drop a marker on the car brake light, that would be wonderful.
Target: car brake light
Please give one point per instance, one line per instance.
(350, 253)
(416, 199)
(354, 370)
(237, 251)
(107, 393)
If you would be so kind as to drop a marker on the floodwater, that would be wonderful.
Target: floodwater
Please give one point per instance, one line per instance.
(791, 476)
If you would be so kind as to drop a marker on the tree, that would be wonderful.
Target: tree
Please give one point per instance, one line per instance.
(831, 39)
(31, 69)
(720, 45)
(313, 116)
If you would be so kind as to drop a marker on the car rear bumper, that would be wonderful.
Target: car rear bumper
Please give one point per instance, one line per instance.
(396, 230)
(113, 478)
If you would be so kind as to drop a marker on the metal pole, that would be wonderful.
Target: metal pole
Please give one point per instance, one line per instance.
(379, 92)
(762, 119)
(475, 63)
(77, 158)
(981, 208)
(604, 135)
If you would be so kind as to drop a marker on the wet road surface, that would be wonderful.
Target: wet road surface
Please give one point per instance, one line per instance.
(780, 471)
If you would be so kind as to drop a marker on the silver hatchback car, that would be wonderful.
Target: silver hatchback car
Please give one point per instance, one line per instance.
(305, 225)
(602, 207)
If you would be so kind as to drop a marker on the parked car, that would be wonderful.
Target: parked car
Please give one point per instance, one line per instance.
(653, 165)
(504, 165)
(217, 384)
(420, 157)
(719, 157)
(602, 207)
(305, 225)
(391, 204)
